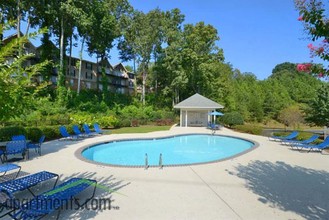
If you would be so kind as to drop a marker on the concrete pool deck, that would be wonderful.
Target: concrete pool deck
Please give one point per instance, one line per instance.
(269, 182)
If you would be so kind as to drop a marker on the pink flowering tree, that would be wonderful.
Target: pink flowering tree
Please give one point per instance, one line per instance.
(313, 16)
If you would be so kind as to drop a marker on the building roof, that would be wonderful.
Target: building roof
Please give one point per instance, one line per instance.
(198, 101)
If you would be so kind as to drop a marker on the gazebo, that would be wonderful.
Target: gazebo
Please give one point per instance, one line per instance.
(195, 111)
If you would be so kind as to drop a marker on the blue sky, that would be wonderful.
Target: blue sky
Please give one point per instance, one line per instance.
(255, 35)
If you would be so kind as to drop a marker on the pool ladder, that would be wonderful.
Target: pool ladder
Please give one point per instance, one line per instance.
(147, 161)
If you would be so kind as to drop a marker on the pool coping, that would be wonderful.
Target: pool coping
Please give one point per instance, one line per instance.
(78, 152)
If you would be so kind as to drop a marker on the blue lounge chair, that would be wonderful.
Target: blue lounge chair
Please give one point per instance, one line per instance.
(77, 132)
(315, 147)
(98, 129)
(26, 182)
(5, 168)
(66, 135)
(14, 147)
(35, 146)
(9, 188)
(291, 136)
(54, 199)
(88, 131)
(296, 143)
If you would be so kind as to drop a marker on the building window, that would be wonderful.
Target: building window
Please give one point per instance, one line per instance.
(120, 90)
(71, 82)
(100, 87)
(54, 79)
(72, 72)
(89, 75)
(89, 66)
(88, 85)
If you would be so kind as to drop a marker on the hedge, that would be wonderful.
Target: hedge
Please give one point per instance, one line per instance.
(250, 129)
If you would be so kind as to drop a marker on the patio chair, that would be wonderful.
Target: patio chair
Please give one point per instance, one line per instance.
(35, 146)
(14, 147)
(54, 199)
(5, 168)
(291, 136)
(98, 130)
(88, 131)
(78, 133)
(65, 134)
(26, 182)
(315, 147)
(9, 188)
(295, 143)
(18, 138)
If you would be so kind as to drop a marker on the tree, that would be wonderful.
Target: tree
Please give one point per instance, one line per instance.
(142, 39)
(16, 81)
(318, 113)
(291, 116)
(313, 14)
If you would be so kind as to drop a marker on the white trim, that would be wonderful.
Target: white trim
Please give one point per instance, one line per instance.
(180, 118)
(185, 118)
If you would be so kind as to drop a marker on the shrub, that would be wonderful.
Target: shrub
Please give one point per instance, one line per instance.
(51, 132)
(34, 134)
(107, 121)
(7, 132)
(250, 129)
(232, 119)
(125, 123)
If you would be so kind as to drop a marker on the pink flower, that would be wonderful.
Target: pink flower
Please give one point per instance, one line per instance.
(300, 18)
(320, 50)
(311, 47)
(320, 75)
(325, 41)
(304, 67)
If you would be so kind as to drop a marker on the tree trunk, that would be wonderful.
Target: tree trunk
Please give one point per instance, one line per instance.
(19, 26)
(70, 56)
(80, 66)
(143, 89)
(61, 56)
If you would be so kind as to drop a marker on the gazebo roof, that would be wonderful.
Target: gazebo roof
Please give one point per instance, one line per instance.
(198, 101)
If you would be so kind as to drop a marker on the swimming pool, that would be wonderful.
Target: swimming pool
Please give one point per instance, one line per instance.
(176, 150)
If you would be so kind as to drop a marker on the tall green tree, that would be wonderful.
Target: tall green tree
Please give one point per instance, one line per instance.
(318, 113)
(18, 89)
(143, 38)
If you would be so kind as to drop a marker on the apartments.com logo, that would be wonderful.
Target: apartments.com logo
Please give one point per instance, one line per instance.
(64, 204)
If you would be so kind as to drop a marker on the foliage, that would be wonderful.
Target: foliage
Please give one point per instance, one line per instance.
(51, 132)
(16, 80)
(124, 123)
(249, 128)
(7, 132)
(318, 112)
(107, 121)
(314, 15)
(33, 134)
(232, 118)
(291, 116)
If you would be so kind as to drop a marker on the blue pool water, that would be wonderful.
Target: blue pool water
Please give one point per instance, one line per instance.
(178, 150)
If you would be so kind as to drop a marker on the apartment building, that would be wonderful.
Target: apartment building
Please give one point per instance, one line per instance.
(118, 78)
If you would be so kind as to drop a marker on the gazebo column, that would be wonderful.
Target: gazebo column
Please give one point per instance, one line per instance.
(181, 118)
(186, 118)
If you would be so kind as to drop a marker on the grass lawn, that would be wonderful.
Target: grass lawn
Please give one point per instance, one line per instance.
(140, 129)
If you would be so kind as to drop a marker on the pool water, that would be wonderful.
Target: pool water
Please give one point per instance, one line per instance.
(178, 150)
